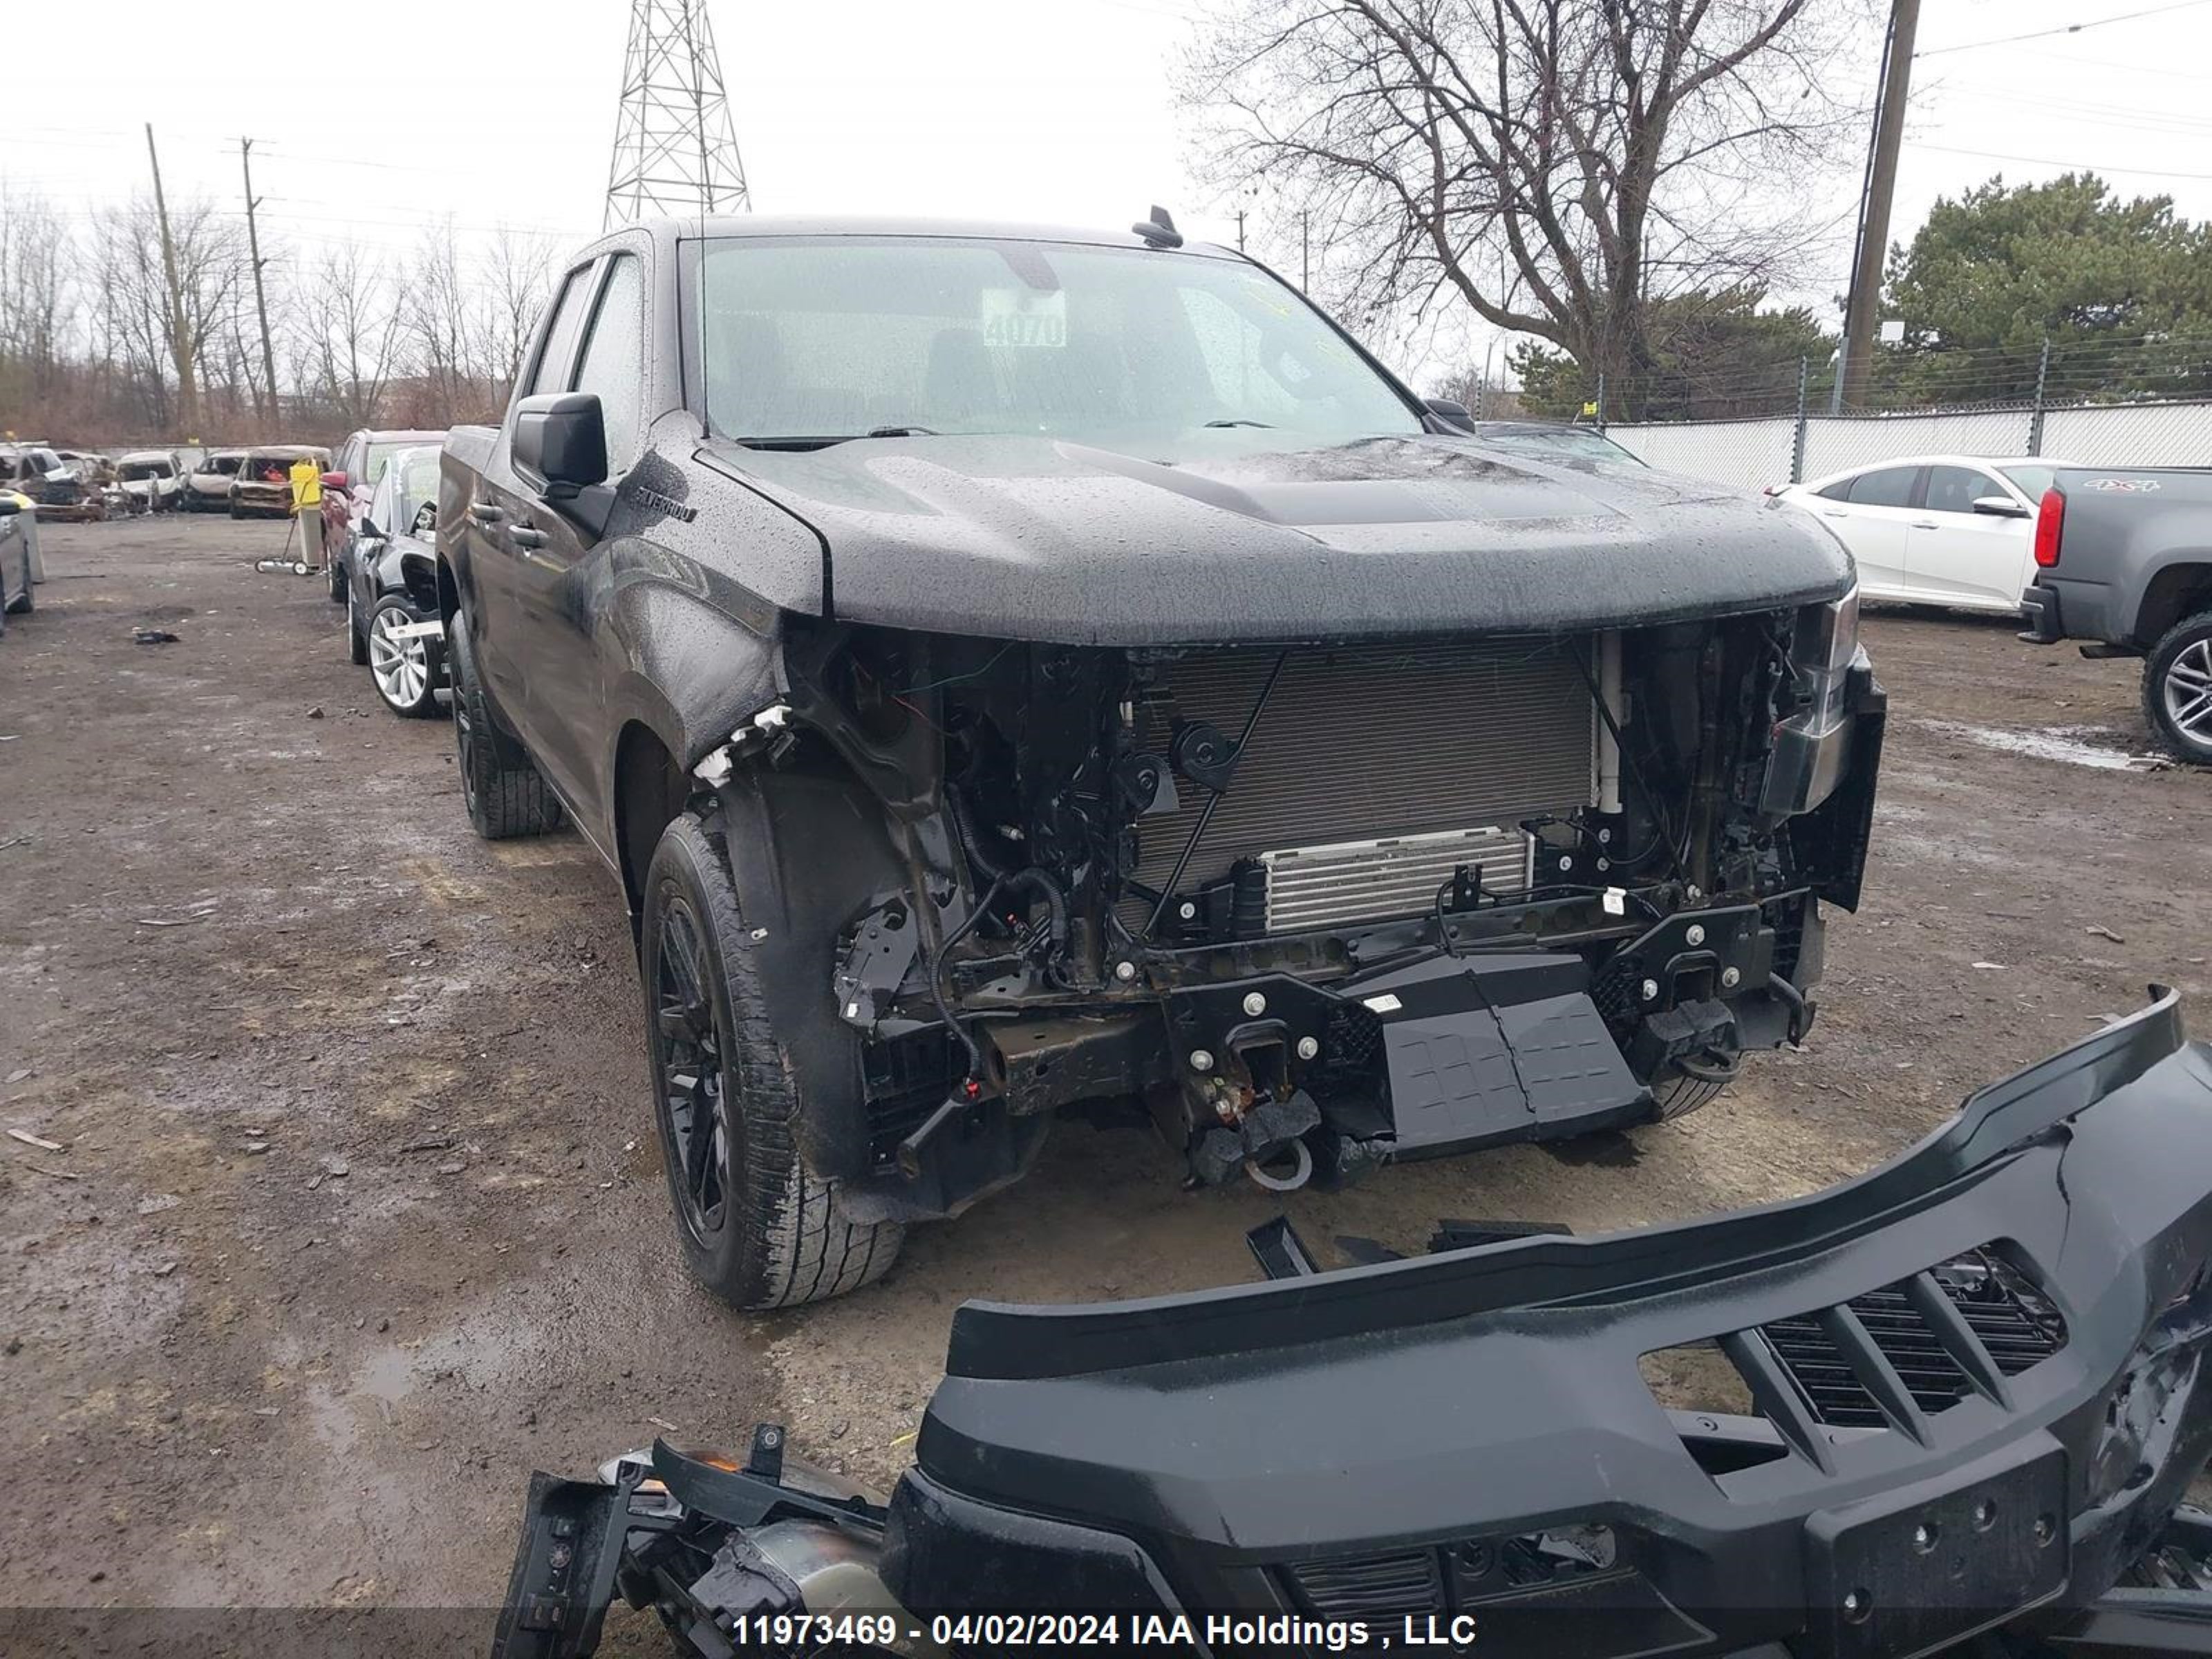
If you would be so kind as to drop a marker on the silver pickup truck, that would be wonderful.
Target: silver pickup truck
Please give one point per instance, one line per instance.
(2124, 560)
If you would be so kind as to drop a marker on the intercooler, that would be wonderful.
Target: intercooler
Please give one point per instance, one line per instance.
(1375, 770)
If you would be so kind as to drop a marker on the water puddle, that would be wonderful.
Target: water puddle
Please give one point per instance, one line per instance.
(2077, 745)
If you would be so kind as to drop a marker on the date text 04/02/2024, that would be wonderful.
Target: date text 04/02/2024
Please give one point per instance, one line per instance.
(1219, 1631)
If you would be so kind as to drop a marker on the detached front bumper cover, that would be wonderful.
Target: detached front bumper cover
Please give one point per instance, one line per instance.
(1963, 1393)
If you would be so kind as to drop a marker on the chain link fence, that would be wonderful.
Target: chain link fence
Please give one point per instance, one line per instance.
(1790, 449)
(2142, 402)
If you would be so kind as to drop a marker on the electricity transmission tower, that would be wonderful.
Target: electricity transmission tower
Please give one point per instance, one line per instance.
(675, 151)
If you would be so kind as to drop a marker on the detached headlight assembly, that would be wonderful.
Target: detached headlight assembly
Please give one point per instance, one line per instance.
(1812, 744)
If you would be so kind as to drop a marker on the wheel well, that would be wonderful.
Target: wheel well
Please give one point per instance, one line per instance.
(449, 592)
(2178, 591)
(650, 790)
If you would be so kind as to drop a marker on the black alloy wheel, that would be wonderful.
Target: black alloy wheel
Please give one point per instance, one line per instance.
(687, 1053)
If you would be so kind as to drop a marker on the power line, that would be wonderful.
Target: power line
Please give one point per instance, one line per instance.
(2064, 28)
(2071, 166)
(2095, 115)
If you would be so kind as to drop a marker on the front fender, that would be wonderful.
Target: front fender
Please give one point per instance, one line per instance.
(693, 655)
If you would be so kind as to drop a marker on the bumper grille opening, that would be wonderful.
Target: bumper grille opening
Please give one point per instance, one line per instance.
(2013, 1319)
(1468, 1572)
(1405, 1581)
(1918, 1346)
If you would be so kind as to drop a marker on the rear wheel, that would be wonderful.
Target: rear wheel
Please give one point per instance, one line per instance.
(501, 785)
(756, 1227)
(2177, 688)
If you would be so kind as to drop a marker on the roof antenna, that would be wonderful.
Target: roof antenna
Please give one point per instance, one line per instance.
(1159, 230)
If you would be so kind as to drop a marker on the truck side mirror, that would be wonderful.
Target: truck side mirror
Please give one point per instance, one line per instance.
(334, 480)
(562, 437)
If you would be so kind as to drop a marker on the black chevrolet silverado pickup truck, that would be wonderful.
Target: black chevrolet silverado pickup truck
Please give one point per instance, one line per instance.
(1011, 668)
(2124, 560)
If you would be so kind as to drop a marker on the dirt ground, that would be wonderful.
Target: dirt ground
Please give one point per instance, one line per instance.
(358, 1216)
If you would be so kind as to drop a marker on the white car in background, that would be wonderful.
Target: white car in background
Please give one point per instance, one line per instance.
(1955, 530)
(153, 478)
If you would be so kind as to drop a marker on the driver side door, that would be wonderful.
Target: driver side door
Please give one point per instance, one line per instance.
(557, 572)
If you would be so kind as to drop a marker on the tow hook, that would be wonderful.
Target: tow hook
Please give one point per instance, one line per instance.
(1267, 1143)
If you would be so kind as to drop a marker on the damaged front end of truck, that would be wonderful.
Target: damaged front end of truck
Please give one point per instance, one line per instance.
(1959, 1398)
(1319, 903)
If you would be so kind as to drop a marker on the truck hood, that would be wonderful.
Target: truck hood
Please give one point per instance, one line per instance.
(1237, 537)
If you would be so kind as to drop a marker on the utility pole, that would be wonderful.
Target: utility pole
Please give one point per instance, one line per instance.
(180, 346)
(1865, 302)
(1305, 250)
(1240, 230)
(260, 295)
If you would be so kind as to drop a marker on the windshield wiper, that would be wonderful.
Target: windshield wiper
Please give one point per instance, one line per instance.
(1269, 424)
(825, 440)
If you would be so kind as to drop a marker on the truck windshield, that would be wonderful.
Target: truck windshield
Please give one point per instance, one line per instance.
(813, 340)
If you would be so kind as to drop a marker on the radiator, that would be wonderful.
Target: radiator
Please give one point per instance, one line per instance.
(1374, 771)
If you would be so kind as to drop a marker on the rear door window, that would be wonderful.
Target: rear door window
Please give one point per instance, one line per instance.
(550, 372)
(1886, 486)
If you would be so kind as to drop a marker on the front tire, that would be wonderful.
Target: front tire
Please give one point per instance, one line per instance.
(405, 668)
(2176, 688)
(756, 1227)
(500, 786)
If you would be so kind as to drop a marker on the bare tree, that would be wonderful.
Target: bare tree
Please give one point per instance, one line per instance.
(349, 328)
(211, 262)
(517, 271)
(1550, 164)
(37, 275)
(440, 319)
(89, 342)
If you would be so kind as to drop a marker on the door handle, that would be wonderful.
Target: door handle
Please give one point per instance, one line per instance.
(1834, 512)
(486, 513)
(1925, 523)
(528, 539)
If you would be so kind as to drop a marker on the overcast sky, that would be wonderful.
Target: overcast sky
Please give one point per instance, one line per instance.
(1059, 110)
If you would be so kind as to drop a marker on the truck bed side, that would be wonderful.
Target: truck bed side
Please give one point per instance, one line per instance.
(2132, 553)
